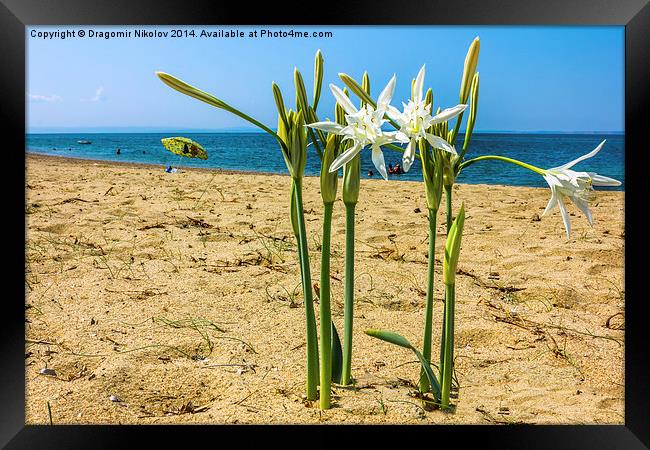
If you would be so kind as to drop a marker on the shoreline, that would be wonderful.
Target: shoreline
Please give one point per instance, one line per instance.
(108, 163)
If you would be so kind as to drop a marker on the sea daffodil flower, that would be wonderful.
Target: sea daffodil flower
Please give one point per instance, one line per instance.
(577, 186)
(363, 128)
(416, 118)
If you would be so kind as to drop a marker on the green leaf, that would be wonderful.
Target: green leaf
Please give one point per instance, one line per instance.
(452, 247)
(294, 210)
(433, 381)
(400, 340)
(337, 356)
(391, 337)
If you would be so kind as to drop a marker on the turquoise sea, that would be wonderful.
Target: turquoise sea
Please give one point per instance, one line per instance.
(259, 152)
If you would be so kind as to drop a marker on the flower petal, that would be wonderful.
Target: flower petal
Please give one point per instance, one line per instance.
(409, 155)
(553, 183)
(419, 84)
(393, 113)
(552, 203)
(438, 142)
(582, 158)
(345, 157)
(400, 137)
(565, 217)
(600, 180)
(584, 207)
(447, 114)
(379, 162)
(329, 127)
(343, 99)
(387, 94)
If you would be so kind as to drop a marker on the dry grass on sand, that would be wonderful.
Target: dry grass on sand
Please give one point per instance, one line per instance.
(152, 300)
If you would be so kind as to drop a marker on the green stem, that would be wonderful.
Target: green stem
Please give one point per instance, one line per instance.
(314, 139)
(466, 141)
(428, 314)
(348, 296)
(310, 318)
(448, 193)
(456, 128)
(469, 162)
(448, 357)
(325, 312)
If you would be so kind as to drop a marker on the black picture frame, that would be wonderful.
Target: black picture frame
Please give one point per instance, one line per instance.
(15, 15)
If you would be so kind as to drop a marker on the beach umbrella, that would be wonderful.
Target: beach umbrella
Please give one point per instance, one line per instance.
(184, 147)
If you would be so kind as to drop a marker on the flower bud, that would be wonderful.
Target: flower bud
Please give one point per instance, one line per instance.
(279, 103)
(298, 147)
(452, 248)
(365, 85)
(428, 99)
(283, 134)
(318, 77)
(301, 93)
(186, 89)
(356, 88)
(448, 173)
(352, 181)
(471, 61)
(329, 180)
(432, 176)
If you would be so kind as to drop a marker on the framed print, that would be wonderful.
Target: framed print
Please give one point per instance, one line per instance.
(357, 218)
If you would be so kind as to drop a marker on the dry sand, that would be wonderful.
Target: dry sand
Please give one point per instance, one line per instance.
(185, 304)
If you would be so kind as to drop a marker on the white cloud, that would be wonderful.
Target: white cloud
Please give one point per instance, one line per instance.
(98, 97)
(98, 94)
(44, 98)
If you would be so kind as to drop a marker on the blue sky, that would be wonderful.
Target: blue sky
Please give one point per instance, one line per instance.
(532, 78)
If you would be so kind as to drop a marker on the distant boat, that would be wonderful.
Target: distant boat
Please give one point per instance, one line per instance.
(84, 142)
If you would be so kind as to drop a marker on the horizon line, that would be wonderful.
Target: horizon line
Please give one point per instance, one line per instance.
(153, 129)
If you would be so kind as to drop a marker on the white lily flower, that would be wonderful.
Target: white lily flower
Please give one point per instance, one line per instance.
(416, 118)
(363, 128)
(577, 186)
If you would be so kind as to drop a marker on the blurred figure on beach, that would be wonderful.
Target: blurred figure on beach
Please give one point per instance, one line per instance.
(395, 170)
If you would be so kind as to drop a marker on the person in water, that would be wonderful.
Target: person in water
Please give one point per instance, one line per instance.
(118, 151)
(370, 173)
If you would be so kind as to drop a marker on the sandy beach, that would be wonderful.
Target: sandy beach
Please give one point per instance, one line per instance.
(151, 299)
